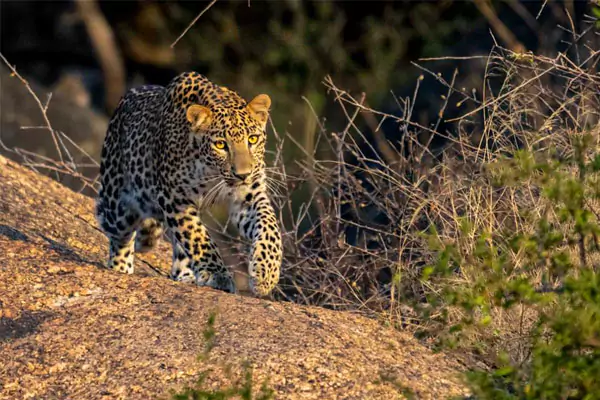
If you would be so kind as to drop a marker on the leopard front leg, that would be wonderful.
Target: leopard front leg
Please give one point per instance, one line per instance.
(194, 250)
(253, 215)
(181, 268)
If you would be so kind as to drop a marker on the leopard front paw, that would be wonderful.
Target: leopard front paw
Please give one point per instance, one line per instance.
(182, 274)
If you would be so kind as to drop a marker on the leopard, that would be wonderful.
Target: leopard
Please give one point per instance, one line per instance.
(171, 152)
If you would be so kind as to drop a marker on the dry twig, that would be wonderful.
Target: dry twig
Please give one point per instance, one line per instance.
(193, 22)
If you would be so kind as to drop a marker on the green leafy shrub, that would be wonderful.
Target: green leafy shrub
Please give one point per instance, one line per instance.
(564, 359)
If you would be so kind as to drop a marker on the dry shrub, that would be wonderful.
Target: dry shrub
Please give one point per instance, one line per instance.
(358, 242)
(65, 160)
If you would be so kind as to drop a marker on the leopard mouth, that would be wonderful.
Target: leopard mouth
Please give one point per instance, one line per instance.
(237, 183)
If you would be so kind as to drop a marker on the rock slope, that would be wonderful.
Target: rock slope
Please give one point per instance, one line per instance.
(70, 329)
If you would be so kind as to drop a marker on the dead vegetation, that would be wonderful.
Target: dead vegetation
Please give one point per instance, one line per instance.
(371, 198)
(66, 157)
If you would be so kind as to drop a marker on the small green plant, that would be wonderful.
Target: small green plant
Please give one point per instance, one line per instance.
(242, 388)
(596, 12)
(209, 334)
(563, 359)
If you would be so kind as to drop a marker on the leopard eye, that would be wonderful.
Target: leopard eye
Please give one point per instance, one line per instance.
(220, 144)
(253, 139)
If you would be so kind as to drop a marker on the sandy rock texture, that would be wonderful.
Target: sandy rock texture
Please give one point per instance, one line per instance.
(70, 329)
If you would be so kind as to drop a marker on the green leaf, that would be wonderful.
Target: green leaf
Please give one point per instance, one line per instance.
(504, 371)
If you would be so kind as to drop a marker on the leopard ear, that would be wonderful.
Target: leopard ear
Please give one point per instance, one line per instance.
(259, 108)
(198, 116)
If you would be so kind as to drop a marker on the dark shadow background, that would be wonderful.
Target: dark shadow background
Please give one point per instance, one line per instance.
(283, 48)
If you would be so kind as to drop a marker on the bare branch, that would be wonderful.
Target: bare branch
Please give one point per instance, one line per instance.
(194, 21)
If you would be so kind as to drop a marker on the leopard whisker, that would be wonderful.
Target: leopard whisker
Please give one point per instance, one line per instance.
(276, 183)
(275, 191)
(212, 194)
(218, 192)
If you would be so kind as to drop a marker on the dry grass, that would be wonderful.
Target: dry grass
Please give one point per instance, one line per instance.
(371, 199)
(72, 160)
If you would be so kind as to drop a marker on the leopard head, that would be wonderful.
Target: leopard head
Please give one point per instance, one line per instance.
(232, 138)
